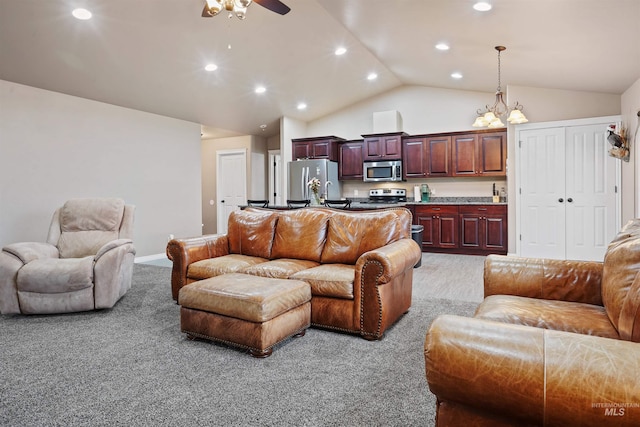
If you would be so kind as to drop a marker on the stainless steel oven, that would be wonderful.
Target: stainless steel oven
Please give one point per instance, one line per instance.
(389, 170)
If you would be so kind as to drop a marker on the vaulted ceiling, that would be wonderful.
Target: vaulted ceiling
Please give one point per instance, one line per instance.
(150, 55)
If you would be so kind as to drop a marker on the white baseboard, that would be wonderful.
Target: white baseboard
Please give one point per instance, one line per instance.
(148, 258)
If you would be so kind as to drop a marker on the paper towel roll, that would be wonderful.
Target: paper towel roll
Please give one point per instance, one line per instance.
(417, 195)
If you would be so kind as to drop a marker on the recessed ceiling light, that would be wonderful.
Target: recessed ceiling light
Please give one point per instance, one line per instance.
(442, 46)
(482, 6)
(456, 75)
(261, 89)
(211, 67)
(372, 76)
(341, 51)
(80, 13)
(302, 106)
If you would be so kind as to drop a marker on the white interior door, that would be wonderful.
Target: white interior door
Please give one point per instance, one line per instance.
(590, 192)
(567, 188)
(231, 185)
(542, 193)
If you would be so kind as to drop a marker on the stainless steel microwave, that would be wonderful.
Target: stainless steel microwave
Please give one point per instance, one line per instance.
(389, 170)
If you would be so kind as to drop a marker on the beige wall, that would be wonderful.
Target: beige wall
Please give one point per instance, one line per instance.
(54, 147)
(630, 108)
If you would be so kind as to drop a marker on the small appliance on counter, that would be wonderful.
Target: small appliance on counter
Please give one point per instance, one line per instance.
(387, 195)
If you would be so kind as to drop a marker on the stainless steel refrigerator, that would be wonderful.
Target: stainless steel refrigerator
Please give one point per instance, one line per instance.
(303, 171)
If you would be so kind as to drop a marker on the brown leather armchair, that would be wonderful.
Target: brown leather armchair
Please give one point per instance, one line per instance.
(553, 343)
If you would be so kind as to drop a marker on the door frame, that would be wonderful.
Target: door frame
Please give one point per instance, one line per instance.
(220, 225)
(275, 177)
(561, 124)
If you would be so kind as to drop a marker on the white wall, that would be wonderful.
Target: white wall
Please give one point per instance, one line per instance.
(630, 107)
(54, 147)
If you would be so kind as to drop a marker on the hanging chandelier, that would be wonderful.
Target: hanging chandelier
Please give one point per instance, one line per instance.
(490, 116)
(234, 7)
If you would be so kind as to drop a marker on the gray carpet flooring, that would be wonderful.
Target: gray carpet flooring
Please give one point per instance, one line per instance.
(131, 366)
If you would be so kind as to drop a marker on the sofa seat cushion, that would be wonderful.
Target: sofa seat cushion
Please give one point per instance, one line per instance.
(555, 315)
(56, 275)
(245, 297)
(280, 268)
(329, 280)
(221, 265)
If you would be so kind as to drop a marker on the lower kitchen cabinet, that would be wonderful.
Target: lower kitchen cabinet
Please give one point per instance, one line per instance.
(483, 228)
(463, 229)
(440, 224)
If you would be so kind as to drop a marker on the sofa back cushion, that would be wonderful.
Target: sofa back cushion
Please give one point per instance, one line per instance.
(250, 232)
(620, 283)
(87, 224)
(353, 233)
(300, 234)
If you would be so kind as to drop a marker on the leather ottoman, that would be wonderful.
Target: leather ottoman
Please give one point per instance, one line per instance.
(250, 312)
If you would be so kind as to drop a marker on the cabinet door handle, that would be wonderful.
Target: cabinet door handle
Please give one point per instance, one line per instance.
(482, 209)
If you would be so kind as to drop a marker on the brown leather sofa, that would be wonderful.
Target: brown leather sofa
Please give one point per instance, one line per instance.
(359, 264)
(554, 343)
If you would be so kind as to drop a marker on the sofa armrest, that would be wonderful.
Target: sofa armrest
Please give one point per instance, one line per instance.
(577, 281)
(113, 245)
(29, 251)
(532, 376)
(383, 286)
(184, 252)
(393, 258)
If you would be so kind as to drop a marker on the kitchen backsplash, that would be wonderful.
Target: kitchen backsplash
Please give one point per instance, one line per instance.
(444, 187)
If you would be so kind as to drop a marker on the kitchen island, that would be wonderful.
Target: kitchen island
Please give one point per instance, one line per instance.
(460, 225)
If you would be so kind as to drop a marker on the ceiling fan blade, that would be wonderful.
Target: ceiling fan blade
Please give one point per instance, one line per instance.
(205, 11)
(274, 5)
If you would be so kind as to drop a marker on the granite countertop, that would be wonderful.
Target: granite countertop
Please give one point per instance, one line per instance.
(363, 202)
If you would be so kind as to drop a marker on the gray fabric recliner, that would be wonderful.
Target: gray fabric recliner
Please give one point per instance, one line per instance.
(86, 263)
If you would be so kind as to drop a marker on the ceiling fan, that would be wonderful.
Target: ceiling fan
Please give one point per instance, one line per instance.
(239, 7)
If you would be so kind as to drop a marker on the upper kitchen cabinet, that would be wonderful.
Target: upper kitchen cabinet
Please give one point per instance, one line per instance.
(324, 147)
(479, 154)
(350, 158)
(426, 157)
(383, 146)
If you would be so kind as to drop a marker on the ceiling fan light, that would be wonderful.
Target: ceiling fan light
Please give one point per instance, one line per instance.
(214, 7)
(243, 3)
(241, 12)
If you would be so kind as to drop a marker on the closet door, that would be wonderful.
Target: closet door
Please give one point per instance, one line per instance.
(590, 193)
(542, 193)
(567, 191)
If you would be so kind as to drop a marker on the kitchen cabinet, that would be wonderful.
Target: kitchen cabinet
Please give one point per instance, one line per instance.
(350, 158)
(440, 224)
(479, 154)
(483, 228)
(462, 228)
(325, 147)
(426, 157)
(387, 146)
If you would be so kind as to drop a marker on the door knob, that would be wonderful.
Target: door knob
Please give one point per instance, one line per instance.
(221, 201)
(569, 200)
(561, 200)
